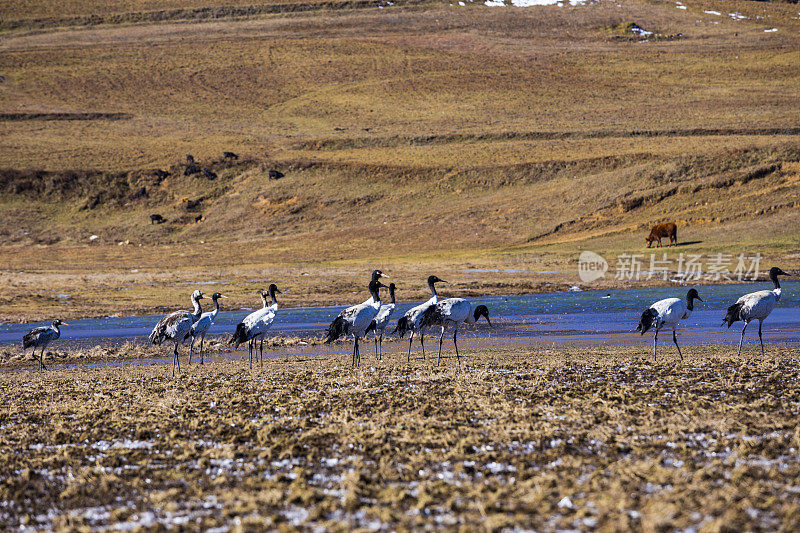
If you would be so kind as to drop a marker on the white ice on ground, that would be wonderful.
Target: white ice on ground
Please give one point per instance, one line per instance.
(712, 13)
(737, 16)
(681, 7)
(566, 503)
(771, 30)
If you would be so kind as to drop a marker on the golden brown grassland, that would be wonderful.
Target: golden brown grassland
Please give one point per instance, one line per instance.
(413, 138)
(529, 437)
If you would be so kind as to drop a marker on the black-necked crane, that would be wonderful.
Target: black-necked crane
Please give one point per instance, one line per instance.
(40, 337)
(410, 320)
(356, 319)
(201, 327)
(452, 312)
(256, 324)
(755, 306)
(667, 313)
(176, 325)
(381, 320)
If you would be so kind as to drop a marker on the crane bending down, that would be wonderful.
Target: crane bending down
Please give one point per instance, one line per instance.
(355, 319)
(256, 324)
(452, 312)
(410, 321)
(755, 306)
(40, 337)
(381, 320)
(201, 327)
(667, 313)
(175, 326)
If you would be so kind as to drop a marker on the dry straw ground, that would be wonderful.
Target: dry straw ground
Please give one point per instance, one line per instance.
(421, 137)
(599, 438)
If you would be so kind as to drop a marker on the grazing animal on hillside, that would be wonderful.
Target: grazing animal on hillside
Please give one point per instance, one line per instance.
(452, 312)
(410, 321)
(162, 174)
(191, 170)
(229, 156)
(40, 337)
(201, 327)
(381, 320)
(256, 324)
(356, 319)
(157, 219)
(667, 312)
(668, 229)
(190, 159)
(209, 174)
(141, 193)
(755, 306)
(176, 325)
(275, 174)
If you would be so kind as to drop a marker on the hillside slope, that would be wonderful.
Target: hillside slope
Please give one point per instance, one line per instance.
(422, 137)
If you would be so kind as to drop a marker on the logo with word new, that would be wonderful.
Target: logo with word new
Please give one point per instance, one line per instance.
(591, 266)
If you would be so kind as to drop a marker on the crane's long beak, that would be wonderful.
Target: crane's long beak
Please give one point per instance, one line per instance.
(64, 324)
(222, 296)
(699, 298)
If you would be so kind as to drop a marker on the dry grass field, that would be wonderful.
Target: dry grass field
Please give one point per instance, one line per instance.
(413, 137)
(528, 438)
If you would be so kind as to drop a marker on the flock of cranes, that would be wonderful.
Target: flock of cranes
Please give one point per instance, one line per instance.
(373, 316)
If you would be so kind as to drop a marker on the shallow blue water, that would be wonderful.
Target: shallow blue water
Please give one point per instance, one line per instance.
(600, 317)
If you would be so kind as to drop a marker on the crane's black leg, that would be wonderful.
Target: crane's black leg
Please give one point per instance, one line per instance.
(250, 351)
(410, 340)
(261, 352)
(376, 347)
(174, 356)
(422, 343)
(202, 347)
(441, 339)
(760, 339)
(675, 340)
(455, 343)
(380, 344)
(741, 340)
(190, 350)
(655, 342)
(42, 358)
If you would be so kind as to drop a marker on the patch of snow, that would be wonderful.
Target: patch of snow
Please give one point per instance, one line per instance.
(681, 7)
(94, 237)
(771, 30)
(566, 503)
(717, 13)
(737, 16)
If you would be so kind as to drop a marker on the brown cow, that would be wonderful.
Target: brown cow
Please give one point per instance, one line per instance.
(668, 229)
